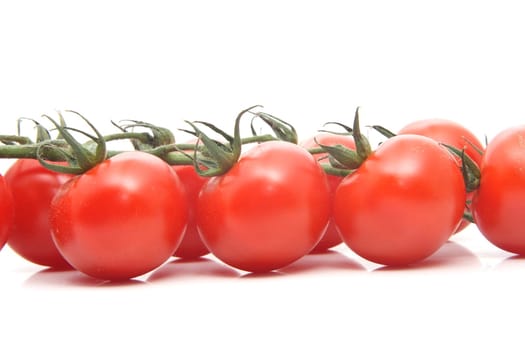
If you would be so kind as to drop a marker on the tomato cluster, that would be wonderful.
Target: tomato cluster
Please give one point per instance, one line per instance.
(278, 201)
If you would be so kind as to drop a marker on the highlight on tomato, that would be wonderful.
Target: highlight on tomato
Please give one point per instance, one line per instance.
(120, 219)
(33, 187)
(401, 202)
(269, 210)
(331, 237)
(499, 202)
(453, 134)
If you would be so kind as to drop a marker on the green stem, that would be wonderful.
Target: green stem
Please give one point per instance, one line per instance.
(30, 151)
(258, 138)
(140, 136)
(316, 150)
(24, 148)
(330, 170)
(21, 140)
(177, 158)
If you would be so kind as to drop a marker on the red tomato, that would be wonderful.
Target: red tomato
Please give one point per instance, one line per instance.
(402, 203)
(33, 187)
(121, 219)
(191, 246)
(453, 134)
(6, 211)
(331, 237)
(268, 210)
(499, 203)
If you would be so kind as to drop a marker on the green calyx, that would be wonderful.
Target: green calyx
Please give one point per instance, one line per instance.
(79, 158)
(383, 131)
(282, 130)
(469, 168)
(66, 154)
(213, 158)
(42, 135)
(217, 158)
(155, 137)
(342, 157)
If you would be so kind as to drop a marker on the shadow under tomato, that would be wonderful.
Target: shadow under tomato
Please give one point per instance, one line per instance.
(67, 277)
(51, 277)
(450, 256)
(511, 262)
(260, 275)
(192, 268)
(86, 281)
(326, 261)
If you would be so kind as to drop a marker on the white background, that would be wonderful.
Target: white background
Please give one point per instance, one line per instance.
(307, 62)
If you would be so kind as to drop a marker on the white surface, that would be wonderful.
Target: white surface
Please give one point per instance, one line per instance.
(469, 294)
(307, 62)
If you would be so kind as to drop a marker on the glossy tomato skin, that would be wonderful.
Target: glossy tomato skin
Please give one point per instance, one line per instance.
(402, 203)
(33, 187)
(6, 211)
(451, 133)
(499, 202)
(448, 132)
(268, 210)
(191, 246)
(331, 237)
(121, 219)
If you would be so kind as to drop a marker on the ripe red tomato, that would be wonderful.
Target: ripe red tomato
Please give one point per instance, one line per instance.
(33, 187)
(6, 211)
(499, 203)
(331, 237)
(268, 210)
(402, 203)
(121, 219)
(191, 246)
(453, 134)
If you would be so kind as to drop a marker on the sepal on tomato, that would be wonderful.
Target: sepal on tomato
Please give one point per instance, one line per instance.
(348, 130)
(80, 158)
(283, 130)
(469, 168)
(342, 157)
(383, 131)
(159, 136)
(215, 158)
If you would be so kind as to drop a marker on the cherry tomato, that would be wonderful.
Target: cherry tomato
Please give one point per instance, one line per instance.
(268, 210)
(331, 237)
(6, 211)
(453, 134)
(191, 246)
(33, 187)
(499, 202)
(121, 219)
(402, 203)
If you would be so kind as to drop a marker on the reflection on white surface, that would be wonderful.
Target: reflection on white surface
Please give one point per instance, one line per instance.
(466, 252)
(337, 298)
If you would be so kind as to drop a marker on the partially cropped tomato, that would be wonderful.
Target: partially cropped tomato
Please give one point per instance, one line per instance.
(121, 219)
(453, 134)
(6, 211)
(331, 237)
(268, 210)
(191, 246)
(498, 205)
(402, 203)
(33, 187)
